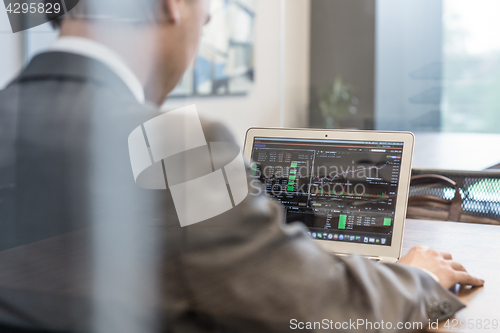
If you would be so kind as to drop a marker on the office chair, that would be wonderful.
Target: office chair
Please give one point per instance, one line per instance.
(459, 196)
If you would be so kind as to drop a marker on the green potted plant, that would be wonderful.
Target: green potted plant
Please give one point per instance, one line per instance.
(335, 100)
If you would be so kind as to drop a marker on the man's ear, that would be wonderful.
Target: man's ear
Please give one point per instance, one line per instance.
(172, 10)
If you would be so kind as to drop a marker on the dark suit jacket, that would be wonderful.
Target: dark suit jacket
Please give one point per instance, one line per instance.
(64, 166)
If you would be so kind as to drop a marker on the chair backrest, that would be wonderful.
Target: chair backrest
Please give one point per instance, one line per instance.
(460, 196)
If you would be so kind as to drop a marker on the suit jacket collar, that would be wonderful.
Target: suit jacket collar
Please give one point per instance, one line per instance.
(95, 50)
(68, 66)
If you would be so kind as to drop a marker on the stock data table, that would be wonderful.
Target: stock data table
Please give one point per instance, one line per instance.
(346, 187)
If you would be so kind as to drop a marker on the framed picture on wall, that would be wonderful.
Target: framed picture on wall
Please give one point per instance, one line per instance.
(224, 65)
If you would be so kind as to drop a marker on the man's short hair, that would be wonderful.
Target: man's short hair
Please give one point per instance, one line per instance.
(133, 11)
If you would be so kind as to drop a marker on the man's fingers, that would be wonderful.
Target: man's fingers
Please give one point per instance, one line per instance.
(457, 266)
(420, 248)
(467, 279)
(445, 255)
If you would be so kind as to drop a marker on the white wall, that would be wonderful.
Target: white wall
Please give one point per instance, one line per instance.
(261, 106)
(11, 54)
(39, 38)
(297, 67)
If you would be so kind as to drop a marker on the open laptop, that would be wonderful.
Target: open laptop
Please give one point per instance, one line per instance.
(350, 188)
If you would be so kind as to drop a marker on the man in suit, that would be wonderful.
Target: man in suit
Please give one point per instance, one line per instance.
(65, 170)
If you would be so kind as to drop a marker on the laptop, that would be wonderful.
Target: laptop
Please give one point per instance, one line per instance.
(350, 188)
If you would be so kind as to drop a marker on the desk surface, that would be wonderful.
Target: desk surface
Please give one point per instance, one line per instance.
(30, 268)
(456, 151)
(477, 247)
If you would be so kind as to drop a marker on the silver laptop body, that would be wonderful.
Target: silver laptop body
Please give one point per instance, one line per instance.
(350, 188)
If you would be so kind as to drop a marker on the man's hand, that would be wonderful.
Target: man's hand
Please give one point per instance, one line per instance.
(440, 263)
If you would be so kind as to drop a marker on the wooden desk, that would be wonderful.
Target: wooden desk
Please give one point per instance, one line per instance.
(28, 271)
(477, 247)
(456, 151)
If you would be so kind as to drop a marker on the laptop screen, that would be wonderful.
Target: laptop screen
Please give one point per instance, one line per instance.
(341, 190)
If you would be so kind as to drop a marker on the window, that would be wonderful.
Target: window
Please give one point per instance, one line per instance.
(437, 65)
